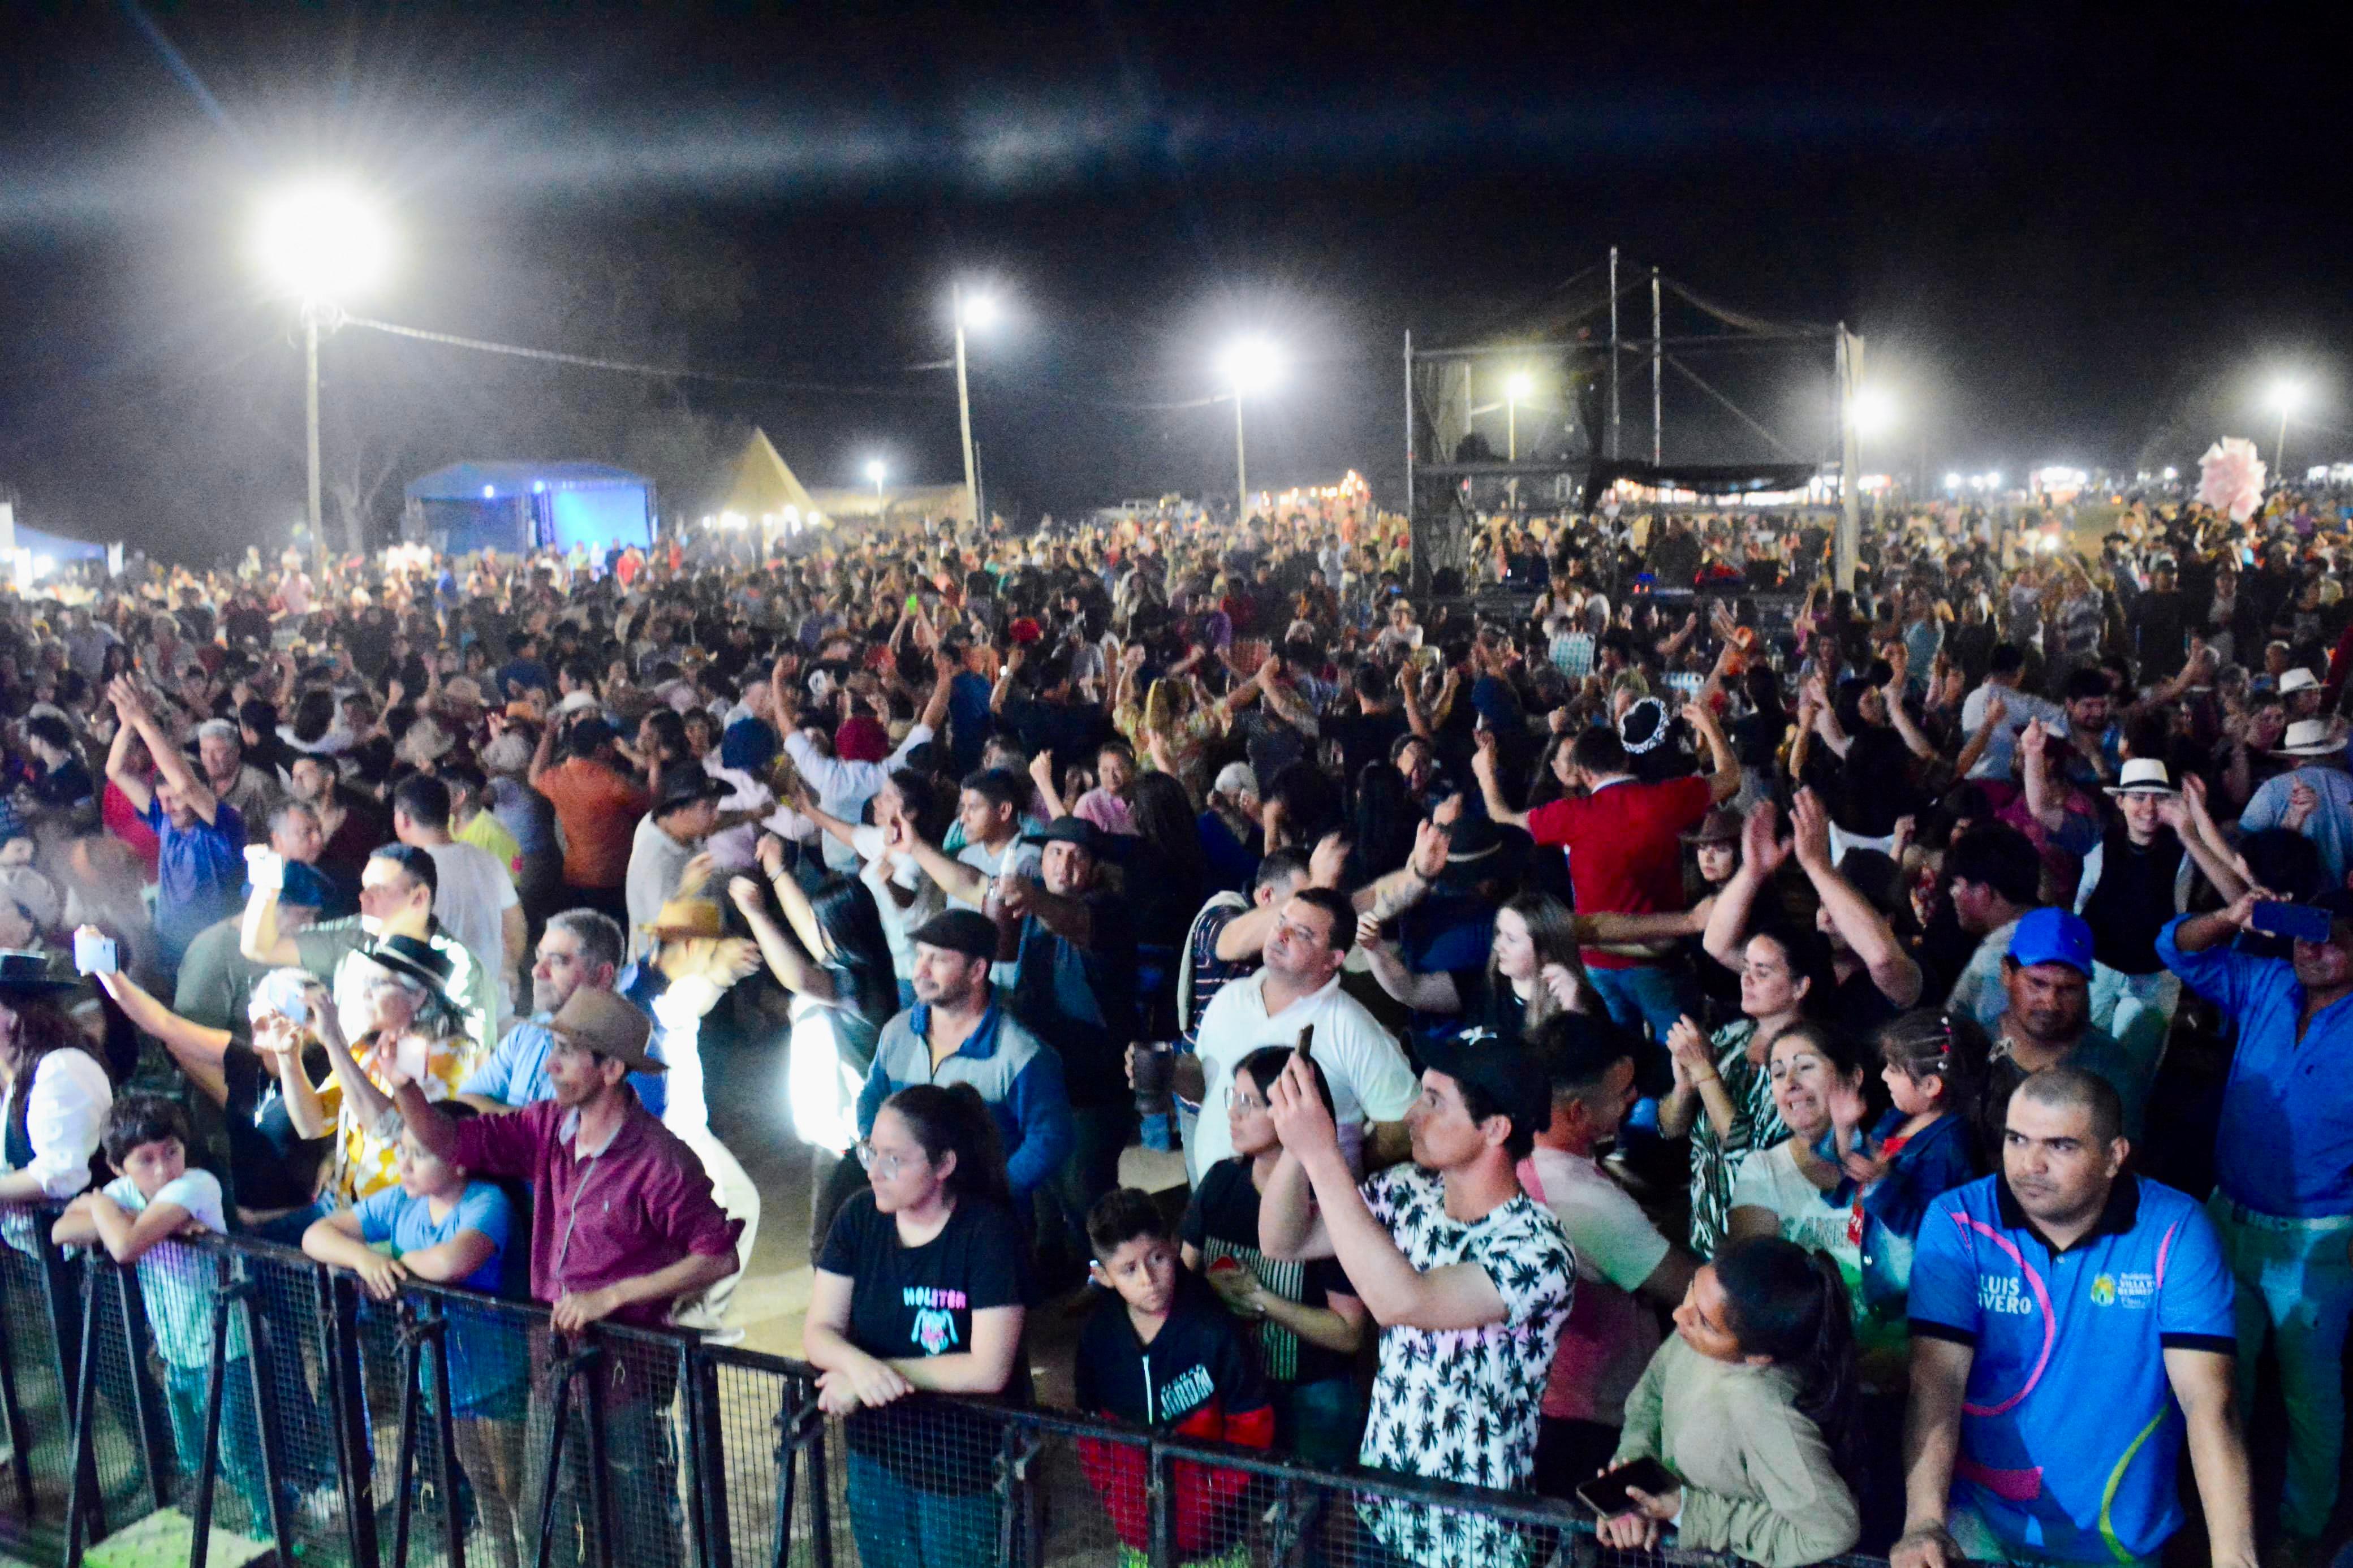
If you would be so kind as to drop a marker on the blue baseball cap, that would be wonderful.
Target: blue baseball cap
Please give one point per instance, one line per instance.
(2051, 936)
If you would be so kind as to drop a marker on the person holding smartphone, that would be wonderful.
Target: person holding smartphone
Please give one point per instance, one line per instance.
(1748, 1408)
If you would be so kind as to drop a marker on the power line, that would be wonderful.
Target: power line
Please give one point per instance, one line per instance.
(630, 368)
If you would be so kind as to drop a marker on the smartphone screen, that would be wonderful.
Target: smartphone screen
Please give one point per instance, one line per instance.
(2297, 921)
(1607, 1495)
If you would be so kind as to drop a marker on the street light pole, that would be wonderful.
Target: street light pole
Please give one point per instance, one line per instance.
(1241, 467)
(2279, 452)
(310, 421)
(964, 407)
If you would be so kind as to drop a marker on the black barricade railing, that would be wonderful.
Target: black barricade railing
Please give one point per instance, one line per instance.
(239, 1401)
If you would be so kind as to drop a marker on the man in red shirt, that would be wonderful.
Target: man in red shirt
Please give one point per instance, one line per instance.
(1623, 839)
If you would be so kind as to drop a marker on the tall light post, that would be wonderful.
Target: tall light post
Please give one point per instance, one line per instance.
(1516, 387)
(1250, 366)
(2287, 396)
(974, 310)
(321, 243)
(875, 473)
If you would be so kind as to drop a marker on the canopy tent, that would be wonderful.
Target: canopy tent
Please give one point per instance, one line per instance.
(760, 488)
(519, 507)
(57, 547)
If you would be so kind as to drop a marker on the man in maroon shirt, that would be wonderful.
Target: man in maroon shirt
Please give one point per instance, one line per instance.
(1623, 838)
(623, 1223)
(623, 1220)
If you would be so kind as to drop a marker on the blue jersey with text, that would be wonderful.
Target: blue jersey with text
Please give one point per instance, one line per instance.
(2070, 1434)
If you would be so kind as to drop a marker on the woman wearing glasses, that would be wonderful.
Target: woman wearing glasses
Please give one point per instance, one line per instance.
(922, 1283)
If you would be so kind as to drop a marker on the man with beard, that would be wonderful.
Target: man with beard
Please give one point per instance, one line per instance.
(2047, 973)
(624, 1226)
(2057, 1308)
(350, 827)
(2284, 1173)
(580, 950)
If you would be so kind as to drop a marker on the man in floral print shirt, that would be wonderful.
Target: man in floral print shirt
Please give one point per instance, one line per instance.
(1468, 1277)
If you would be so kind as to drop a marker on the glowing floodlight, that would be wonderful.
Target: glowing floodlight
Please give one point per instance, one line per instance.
(1251, 366)
(323, 242)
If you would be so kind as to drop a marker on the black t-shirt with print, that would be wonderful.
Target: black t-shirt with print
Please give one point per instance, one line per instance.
(909, 1301)
(1222, 1221)
(270, 1166)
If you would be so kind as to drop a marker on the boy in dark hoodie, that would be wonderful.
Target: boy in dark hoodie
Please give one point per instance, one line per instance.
(1163, 1352)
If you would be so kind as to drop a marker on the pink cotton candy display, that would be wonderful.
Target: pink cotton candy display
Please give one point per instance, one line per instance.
(2230, 477)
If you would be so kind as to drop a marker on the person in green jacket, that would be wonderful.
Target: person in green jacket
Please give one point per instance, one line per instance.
(1749, 1404)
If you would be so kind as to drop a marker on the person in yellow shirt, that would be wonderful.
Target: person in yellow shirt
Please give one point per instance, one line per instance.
(406, 1023)
(472, 822)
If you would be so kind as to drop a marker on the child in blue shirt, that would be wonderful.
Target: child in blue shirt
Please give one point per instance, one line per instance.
(438, 1225)
(1922, 1147)
(153, 1198)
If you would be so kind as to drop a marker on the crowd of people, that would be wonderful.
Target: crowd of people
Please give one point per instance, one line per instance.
(1872, 1052)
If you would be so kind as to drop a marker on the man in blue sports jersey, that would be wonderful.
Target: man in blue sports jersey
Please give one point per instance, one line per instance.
(2061, 1310)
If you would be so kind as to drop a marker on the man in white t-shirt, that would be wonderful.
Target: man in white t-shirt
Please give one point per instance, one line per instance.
(1625, 1268)
(474, 895)
(1299, 984)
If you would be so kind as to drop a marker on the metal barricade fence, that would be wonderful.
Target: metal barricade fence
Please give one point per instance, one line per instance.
(226, 1401)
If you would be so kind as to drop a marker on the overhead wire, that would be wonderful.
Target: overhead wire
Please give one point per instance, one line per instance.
(632, 367)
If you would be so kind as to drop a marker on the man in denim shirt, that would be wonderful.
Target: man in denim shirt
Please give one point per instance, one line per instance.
(2283, 1201)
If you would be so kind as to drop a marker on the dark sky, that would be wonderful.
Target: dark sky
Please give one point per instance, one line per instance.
(2067, 235)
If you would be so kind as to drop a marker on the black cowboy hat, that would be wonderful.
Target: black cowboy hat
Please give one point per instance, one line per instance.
(23, 972)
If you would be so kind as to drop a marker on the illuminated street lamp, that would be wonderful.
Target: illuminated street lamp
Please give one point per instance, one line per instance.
(1874, 412)
(1251, 366)
(875, 472)
(2287, 396)
(1516, 387)
(978, 311)
(321, 243)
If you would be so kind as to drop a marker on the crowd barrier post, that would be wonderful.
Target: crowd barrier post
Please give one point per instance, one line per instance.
(591, 1372)
(339, 1316)
(12, 1413)
(706, 1492)
(85, 1515)
(423, 1339)
(800, 1430)
(225, 1296)
(1020, 1527)
(1160, 1505)
(577, 1364)
(245, 1296)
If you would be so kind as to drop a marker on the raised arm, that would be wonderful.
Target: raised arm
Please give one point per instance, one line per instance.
(969, 884)
(1460, 1296)
(2041, 803)
(135, 790)
(1723, 779)
(788, 961)
(258, 936)
(1424, 992)
(1483, 768)
(1865, 931)
(198, 1051)
(168, 762)
(1762, 854)
(2194, 825)
(1041, 773)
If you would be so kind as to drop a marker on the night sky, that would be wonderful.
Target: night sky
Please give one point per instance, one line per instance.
(2068, 235)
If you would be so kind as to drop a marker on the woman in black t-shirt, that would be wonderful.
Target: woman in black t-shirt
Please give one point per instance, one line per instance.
(922, 1284)
(1310, 1320)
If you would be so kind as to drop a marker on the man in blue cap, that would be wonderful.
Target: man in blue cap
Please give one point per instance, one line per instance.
(2047, 973)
